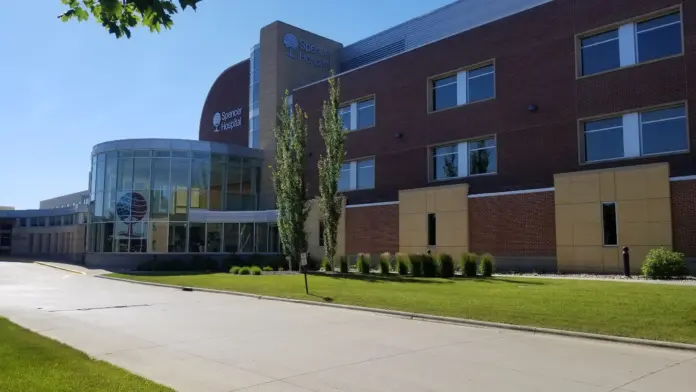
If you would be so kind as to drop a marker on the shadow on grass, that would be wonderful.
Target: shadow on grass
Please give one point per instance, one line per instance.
(375, 278)
(480, 279)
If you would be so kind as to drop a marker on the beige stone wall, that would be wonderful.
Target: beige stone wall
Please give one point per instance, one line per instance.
(643, 214)
(54, 240)
(313, 234)
(450, 204)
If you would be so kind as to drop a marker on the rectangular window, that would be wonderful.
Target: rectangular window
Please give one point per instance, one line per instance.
(358, 174)
(464, 159)
(321, 233)
(636, 134)
(432, 230)
(631, 43)
(464, 87)
(358, 115)
(609, 224)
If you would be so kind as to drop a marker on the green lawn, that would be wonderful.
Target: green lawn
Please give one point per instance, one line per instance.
(641, 310)
(30, 362)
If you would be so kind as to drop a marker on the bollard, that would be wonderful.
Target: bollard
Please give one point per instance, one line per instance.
(626, 262)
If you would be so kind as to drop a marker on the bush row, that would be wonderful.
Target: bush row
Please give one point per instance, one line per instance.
(208, 264)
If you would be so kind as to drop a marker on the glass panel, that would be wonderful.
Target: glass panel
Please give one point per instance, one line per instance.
(98, 207)
(481, 84)
(178, 210)
(125, 154)
(111, 172)
(217, 182)
(609, 223)
(141, 173)
(366, 114)
(121, 237)
(197, 237)
(249, 202)
(138, 240)
(344, 113)
(366, 174)
(248, 180)
(344, 178)
(200, 175)
(157, 236)
(231, 237)
(261, 237)
(615, 122)
(177, 237)
(664, 131)
(659, 37)
(606, 144)
(274, 239)
(159, 204)
(162, 153)
(181, 154)
(445, 162)
(93, 175)
(600, 52)
(246, 237)
(125, 173)
(213, 238)
(101, 167)
(445, 93)
(234, 202)
(482, 161)
(234, 176)
(141, 153)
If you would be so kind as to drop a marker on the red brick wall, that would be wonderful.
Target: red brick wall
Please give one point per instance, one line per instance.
(684, 217)
(372, 229)
(513, 225)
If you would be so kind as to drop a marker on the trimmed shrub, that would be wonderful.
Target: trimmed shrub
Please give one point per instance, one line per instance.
(235, 270)
(661, 263)
(268, 269)
(429, 266)
(255, 270)
(446, 265)
(244, 271)
(384, 265)
(402, 263)
(486, 265)
(326, 265)
(343, 264)
(363, 263)
(416, 264)
(468, 264)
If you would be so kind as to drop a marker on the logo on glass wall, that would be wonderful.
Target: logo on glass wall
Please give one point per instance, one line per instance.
(227, 121)
(309, 53)
(131, 208)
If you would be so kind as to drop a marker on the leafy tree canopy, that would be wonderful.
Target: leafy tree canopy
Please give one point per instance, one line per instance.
(119, 16)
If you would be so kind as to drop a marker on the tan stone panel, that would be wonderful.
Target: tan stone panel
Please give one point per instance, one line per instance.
(659, 234)
(562, 190)
(635, 233)
(611, 260)
(587, 258)
(453, 198)
(564, 225)
(637, 255)
(586, 213)
(411, 202)
(607, 186)
(584, 188)
(430, 202)
(659, 210)
(657, 178)
(413, 230)
(452, 229)
(632, 211)
(587, 234)
(454, 251)
(631, 184)
(411, 249)
(565, 256)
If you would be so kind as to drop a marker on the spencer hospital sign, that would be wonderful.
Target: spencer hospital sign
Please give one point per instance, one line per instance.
(306, 52)
(227, 121)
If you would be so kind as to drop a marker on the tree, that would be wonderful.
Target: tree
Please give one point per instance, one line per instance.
(119, 16)
(288, 178)
(330, 201)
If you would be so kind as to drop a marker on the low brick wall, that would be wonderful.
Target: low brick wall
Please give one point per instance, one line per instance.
(684, 217)
(372, 229)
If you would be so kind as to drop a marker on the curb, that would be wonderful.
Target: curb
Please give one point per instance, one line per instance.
(60, 268)
(432, 318)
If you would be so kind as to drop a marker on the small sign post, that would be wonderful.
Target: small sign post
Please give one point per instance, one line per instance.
(303, 265)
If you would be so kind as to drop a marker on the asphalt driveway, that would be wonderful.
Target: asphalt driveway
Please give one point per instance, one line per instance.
(195, 341)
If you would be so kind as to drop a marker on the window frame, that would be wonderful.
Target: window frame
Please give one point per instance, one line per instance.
(431, 158)
(581, 132)
(430, 85)
(354, 112)
(354, 169)
(616, 224)
(616, 25)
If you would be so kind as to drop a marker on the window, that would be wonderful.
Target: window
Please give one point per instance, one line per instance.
(636, 134)
(464, 87)
(358, 174)
(432, 230)
(464, 159)
(609, 224)
(632, 43)
(358, 115)
(321, 233)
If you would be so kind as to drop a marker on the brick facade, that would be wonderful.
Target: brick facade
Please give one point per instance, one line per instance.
(372, 229)
(519, 225)
(684, 217)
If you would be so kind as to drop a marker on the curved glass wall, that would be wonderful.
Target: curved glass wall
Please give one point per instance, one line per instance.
(143, 192)
(255, 70)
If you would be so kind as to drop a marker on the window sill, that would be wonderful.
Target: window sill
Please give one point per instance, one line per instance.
(433, 180)
(356, 189)
(431, 111)
(579, 77)
(646, 156)
(349, 131)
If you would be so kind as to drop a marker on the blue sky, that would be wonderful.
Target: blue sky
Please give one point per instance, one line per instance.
(65, 87)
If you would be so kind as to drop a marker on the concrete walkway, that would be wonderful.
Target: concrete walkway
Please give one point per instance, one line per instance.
(196, 341)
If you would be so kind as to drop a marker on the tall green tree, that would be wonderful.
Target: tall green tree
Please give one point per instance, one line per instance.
(119, 16)
(330, 201)
(289, 180)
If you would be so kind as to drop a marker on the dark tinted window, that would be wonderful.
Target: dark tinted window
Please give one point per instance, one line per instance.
(600, 52)
(609, 223)
(481, 83)
(659, 37)
(445, 93)
(664, 131)
(604, 139)
(432, 233)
